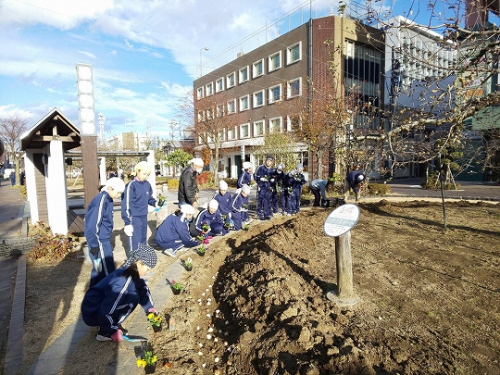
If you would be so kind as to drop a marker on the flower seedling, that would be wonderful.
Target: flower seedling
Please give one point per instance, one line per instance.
(246, 227)
(155, 319)
(202, 249)
(205, 227)
(149, 359)
(177, 285)
(161, 200)
(188, 263)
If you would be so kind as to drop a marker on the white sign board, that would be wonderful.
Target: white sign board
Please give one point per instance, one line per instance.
(341, 220)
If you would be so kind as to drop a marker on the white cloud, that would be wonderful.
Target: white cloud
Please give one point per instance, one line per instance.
(88, 54)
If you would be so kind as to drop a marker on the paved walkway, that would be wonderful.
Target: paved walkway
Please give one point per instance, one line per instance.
(52, 360)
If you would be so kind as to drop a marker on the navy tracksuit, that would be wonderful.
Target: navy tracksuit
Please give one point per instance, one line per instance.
(240, 213)
(213, 220)
(135, 200)
(173, 233)
(108, 303)
(296, 182)
(98, 229)
(244, 179)
(264, 191)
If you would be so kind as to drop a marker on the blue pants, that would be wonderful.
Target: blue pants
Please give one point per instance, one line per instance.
(140, 224)
(239, 218)
(295, 198)
(283, 201)
(217, 229)
(274, 200)
(105, 253)
(264, 202)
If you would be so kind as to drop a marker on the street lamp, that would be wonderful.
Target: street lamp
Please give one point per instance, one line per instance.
(201, 60)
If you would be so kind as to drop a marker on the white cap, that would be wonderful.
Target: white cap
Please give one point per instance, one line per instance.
(197, 161)
(116, 184)
(222, 185)
(213, 204)
(187, 209)
(247, 165)
(245, 189)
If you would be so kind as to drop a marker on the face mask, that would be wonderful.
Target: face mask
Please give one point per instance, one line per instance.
(199, 170)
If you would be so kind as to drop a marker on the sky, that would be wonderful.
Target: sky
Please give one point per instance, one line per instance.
(145, 54)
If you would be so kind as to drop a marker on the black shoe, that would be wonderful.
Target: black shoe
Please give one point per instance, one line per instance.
(124, 330)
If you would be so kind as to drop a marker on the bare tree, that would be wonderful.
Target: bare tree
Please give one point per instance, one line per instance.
(216, 114)
(11, 129)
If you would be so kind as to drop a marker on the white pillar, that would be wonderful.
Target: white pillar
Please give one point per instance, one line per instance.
(102, 170)
(57, 205)
(31, 188)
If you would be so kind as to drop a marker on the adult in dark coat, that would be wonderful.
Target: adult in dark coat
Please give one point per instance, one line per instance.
(188, 187)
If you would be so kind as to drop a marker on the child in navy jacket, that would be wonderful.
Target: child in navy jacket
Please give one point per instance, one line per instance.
(98, 229)
(223, 197)
(137, 196)
(108, 303)
(211, 218)
(173, 234)
(240, 207)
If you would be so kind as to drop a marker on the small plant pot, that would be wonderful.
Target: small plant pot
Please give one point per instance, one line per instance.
(201, 254)
(189, 268)
(150, 369)
(176, 291)
(157, 328)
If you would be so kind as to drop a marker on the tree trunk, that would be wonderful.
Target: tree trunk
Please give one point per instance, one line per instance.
(319, 156)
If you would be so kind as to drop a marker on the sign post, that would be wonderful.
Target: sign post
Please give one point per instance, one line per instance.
(338, 225)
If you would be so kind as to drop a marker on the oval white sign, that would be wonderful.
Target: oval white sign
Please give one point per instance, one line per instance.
(341, 220)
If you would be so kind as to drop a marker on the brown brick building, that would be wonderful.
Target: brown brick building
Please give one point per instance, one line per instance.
(262, 91)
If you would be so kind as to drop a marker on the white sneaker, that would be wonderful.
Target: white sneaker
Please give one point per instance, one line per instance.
(103, 338)
(248, 221)
(170, 253)
(181, 249)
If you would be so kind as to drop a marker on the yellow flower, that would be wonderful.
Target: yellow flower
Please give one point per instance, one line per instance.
(151, 316)
(141, 362)
(154, 359)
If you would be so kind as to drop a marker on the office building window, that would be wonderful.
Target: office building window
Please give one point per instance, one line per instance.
(275, 94)
(199, 93)
(219, 85)
(294, 88)
(275, 125)
(231, 106)
(244, 103)
(231, 133)
(275, 61)
(243, 75)
(258, 128)
(294, 53)
(230, 80)
(209, 89)
(258, 99)
(258, 68)
(245, 131)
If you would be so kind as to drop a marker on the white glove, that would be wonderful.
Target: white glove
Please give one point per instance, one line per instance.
(263, 179)
(129, 230)
(271, 180)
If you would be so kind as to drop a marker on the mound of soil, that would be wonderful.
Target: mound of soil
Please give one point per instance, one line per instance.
(256, 304)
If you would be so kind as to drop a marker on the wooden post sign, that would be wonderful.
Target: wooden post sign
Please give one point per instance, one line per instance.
(338, 225)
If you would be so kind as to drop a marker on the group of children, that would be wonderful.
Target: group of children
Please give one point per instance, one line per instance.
(278, 190)
(115, 293)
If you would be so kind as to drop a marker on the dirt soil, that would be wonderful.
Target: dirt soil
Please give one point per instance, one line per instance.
(256, 302)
